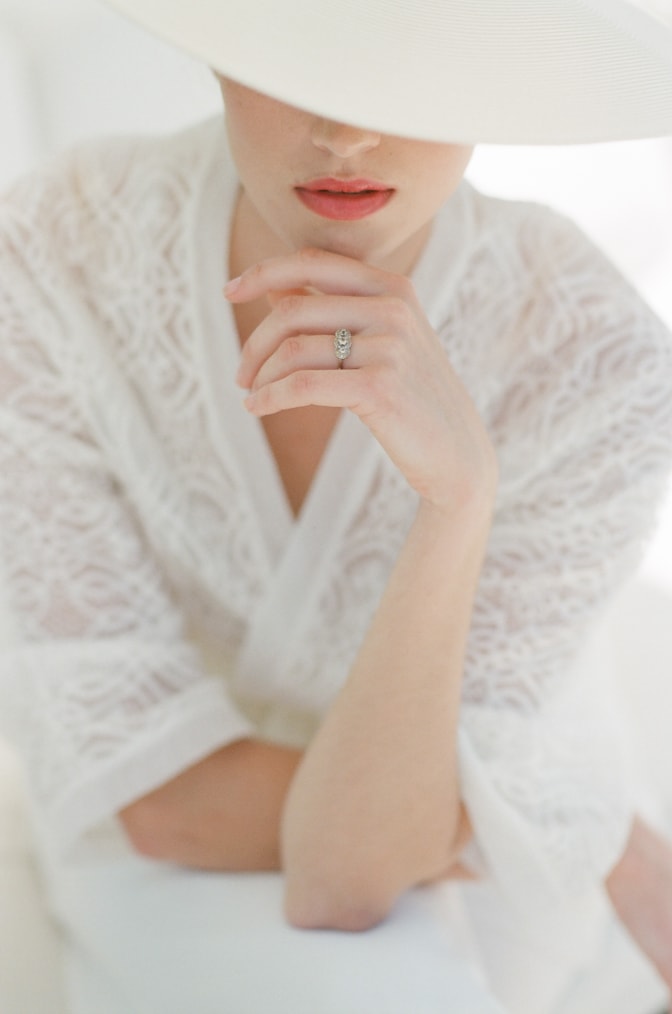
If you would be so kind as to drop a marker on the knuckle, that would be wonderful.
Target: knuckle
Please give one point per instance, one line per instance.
(402, 286)
(255, 271)
(288, 305)
(302, 383)
(399, 313)
(380, 384)
(291, 349)
(262, 397)
(396, 351)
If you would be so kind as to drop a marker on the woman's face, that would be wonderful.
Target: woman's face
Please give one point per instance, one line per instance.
(308, 181)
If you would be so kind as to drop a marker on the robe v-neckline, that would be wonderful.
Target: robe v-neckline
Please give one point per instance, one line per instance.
(296, 548)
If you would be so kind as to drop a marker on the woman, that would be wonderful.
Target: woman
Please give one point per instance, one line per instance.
(272, 634)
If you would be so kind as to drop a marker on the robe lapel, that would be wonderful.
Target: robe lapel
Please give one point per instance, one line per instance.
(285, 608)
(297, 552)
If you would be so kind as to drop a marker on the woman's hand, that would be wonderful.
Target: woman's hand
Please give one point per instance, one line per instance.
(398, 379)
(383, 764)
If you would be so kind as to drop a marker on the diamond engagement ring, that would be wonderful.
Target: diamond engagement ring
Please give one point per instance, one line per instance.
(342, 345)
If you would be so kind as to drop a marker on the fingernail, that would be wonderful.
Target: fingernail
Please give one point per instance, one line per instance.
(231, 287)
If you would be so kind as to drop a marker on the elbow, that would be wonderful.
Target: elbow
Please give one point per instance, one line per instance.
(144, 830)
(328, 891)
(334, 907)
(324, 889)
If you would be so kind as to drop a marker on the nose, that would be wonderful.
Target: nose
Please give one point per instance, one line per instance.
(342, 140)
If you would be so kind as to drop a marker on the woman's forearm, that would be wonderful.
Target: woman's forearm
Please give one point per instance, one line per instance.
(222, 813)
(378, 787)
(374, 807)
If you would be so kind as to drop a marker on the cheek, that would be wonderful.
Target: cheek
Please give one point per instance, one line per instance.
(455, 161)
(436, 168)
(447, 172)
(245, 117)
(262, 148)
(465, 158)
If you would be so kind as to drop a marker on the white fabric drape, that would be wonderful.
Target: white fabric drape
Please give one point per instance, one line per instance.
(161, 601)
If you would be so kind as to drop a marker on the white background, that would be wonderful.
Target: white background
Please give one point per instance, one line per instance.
(73, 68)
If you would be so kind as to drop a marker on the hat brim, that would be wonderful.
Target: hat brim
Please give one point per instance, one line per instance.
(524, 72)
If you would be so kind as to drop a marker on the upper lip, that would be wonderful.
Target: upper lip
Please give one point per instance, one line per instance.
(343, 186)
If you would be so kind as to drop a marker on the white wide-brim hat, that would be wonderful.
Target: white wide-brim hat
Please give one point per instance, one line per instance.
(463, 71)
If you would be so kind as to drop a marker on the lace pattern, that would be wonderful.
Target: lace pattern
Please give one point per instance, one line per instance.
(124, 524)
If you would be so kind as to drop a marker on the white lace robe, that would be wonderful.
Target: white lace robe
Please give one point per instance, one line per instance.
(158, 598)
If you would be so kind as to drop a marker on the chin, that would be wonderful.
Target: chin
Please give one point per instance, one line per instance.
(359, 248)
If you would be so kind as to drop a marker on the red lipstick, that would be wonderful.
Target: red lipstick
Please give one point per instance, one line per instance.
(344, 200)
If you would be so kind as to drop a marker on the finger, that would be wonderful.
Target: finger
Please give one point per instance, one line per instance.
(275, 297)
(307, 352)
(305, 315)
(328, 388)
(321, 269)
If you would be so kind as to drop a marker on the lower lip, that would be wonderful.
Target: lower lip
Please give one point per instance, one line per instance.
(344, 207)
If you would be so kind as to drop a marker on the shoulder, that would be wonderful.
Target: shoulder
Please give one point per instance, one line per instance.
(552, 259)
(559, 350)
(100, 187)
(543, 248)
(557, 302)
(85, 238)
(88, 235)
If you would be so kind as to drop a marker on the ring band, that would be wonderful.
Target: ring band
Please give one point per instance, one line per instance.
(342, 345)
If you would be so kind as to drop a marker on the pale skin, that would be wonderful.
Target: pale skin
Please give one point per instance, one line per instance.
(382, 768)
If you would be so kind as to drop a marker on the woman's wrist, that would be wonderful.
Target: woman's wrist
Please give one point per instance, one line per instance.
(467, 495)
(467, 517)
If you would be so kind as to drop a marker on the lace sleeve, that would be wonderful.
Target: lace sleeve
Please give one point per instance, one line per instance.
(585, 443)
(99, 689)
